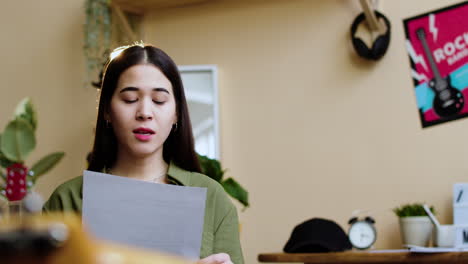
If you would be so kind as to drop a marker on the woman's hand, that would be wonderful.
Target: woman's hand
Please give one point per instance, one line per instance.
(220, 258)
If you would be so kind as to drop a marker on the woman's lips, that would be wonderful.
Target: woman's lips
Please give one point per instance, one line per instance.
(143, 137)
(143, 134)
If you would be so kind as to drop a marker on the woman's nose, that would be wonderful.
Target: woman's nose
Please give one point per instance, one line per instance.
(144, 111)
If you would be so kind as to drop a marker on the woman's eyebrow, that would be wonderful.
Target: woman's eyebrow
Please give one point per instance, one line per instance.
(127, 89)
(161, 90)
(134, 89)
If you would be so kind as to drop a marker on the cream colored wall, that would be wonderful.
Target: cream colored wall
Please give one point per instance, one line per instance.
(41, 57)
(308, 128)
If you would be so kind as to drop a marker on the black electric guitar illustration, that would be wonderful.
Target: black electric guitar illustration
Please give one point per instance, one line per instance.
(448, 101)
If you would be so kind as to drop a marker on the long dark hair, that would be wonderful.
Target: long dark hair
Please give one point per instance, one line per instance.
(179, 146)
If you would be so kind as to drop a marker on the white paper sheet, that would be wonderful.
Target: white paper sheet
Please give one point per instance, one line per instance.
(400, 250)
(163, 217)
(419, 249)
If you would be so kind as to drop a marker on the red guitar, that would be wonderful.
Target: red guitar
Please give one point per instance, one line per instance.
(16, 188)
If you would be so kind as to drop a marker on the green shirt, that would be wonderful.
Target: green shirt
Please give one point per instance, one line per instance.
(220, 229)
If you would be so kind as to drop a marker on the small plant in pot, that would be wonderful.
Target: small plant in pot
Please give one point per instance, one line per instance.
(415, 225)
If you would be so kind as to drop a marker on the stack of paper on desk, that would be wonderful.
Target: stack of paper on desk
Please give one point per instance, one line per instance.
(419, 249)
(162, 217)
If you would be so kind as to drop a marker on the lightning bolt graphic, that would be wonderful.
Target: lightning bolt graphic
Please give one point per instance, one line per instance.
(414, 57)
(417, 76)
(432, 27)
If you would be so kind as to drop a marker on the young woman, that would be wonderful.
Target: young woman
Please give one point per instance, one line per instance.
(143, 132)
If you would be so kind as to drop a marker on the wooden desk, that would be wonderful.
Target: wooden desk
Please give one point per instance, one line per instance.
(353, 257)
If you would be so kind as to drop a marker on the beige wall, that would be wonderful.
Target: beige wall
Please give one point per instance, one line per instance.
(41, 57)
(308, 128)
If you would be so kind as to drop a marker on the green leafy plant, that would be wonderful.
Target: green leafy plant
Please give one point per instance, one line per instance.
(212, 168)
(415, 209)
(17, 141)
(97, 34)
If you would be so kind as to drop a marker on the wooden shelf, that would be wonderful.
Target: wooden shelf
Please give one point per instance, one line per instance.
(352, 257)
(141, 6)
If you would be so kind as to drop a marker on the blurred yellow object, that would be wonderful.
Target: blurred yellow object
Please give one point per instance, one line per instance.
(60, 238)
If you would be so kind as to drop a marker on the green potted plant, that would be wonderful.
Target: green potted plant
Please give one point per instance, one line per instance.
(415, 225)
(97, 35)
(212, 168)
(17, 141)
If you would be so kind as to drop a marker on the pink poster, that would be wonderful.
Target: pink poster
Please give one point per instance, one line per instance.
(437, 45)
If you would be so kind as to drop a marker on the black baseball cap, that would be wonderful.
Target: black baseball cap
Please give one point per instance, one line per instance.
(317, 235)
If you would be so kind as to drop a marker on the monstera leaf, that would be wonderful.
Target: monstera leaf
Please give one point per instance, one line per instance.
(212, 168)
(237, 192)
(18, 140)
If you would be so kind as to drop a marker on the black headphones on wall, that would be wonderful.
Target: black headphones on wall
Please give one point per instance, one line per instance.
(380, 44)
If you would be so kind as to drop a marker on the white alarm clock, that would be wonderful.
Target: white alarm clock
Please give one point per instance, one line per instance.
(362, 233)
